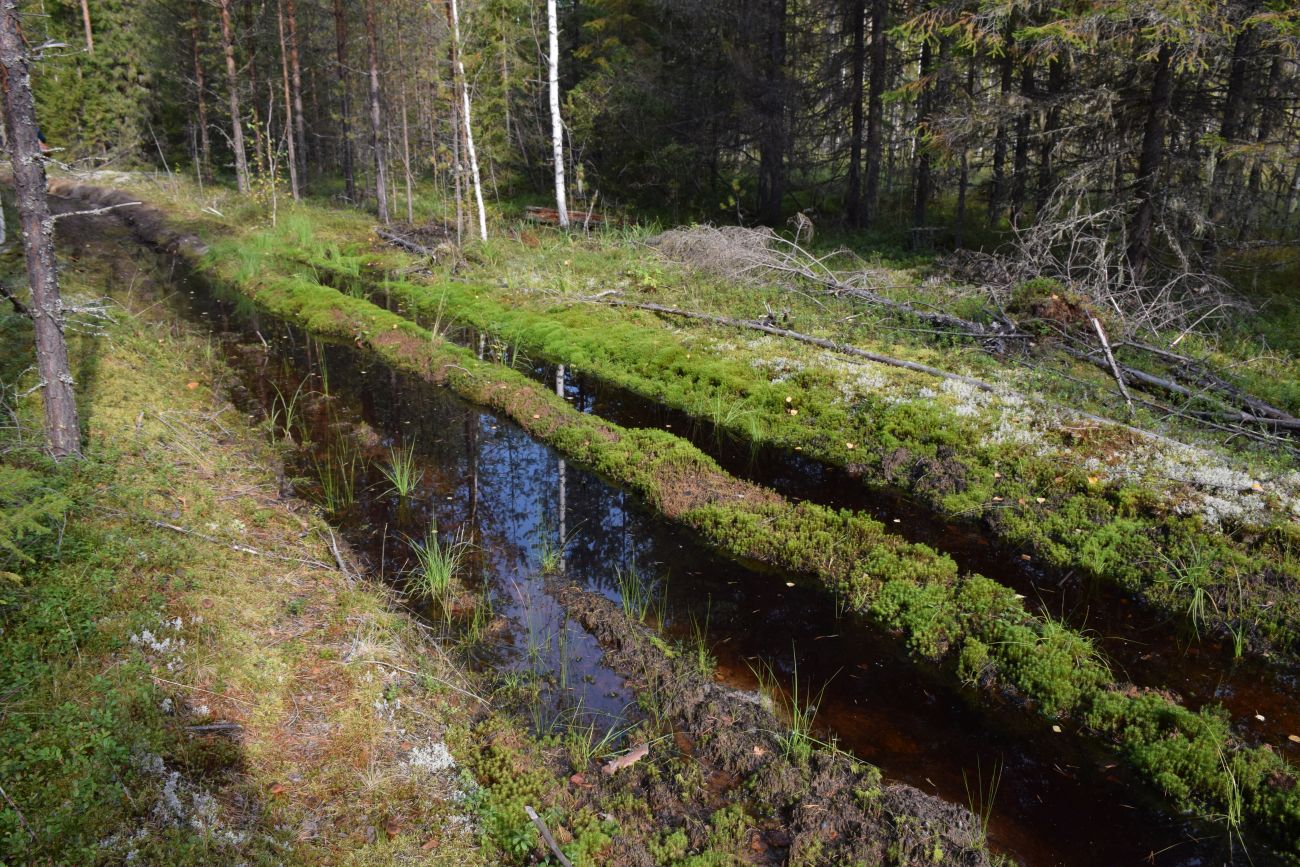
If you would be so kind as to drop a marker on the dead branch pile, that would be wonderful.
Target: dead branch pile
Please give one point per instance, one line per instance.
(741, 253)
(1086, 250)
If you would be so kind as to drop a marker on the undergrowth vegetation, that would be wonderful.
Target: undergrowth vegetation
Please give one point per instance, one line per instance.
(967, 620)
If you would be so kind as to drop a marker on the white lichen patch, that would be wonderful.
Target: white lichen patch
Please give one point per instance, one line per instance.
(434, 758)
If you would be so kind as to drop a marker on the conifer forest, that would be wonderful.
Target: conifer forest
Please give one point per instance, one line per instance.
(650, 432)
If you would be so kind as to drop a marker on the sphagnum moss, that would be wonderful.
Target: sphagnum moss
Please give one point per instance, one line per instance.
(1051, 665)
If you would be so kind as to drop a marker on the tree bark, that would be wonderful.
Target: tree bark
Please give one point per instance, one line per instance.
(295, 77)
(200, 86)
(345, 99)
(1020, 160)
(1149, 160)
(62, 429)
(858, 11)
(963, 177)
(376, 118)
(232, 84)
(557, 125)
(921, 191)
(288, 105)
(771, 106)
(1006, 71)
(876, 109)
(453, 19)
(85, 21)
(1051, 124)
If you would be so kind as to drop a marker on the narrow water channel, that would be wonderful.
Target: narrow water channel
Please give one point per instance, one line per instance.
(1058, 800)
(1150, 649)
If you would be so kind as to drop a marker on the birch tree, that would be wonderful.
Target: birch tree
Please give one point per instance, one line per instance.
(376, 119)
(62, 429)
(557, 126)
(458, 72)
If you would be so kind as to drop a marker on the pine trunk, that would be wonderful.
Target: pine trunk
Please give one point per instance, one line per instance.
(295, 73)
(62, 429)
(858, 9)
(232, 84)
(345, 100)
(876, 109)
(200, 87)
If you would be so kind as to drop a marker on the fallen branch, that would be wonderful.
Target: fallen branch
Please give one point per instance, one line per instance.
(1208, 378)
(405, 243)
(92, 212)
(18, 305)
(445, 683)
(338, 558)
(225, 728)
(1114, 368)
(540, 825)
(854, 351)
(1277, 418)
(636, 754)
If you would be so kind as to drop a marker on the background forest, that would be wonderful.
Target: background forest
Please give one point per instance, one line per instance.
(932, 122)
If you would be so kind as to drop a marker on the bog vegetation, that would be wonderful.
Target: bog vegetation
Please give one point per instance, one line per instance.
(828, 288)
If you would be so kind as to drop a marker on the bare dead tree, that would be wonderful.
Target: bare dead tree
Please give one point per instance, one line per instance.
(62, 429)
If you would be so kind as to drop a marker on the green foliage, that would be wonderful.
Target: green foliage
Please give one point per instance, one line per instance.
(99, 103)
(31, 504)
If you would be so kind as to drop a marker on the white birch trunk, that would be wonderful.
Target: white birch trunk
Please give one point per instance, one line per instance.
(469, 128)
(557, 126)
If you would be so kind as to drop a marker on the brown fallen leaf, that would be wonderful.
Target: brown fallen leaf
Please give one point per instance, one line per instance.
(636, 754)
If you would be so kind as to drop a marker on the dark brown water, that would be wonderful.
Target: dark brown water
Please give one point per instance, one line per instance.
(1058, 800)
(1149, 648)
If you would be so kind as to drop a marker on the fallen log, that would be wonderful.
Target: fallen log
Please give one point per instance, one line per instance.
(405, 243)
(856, 352)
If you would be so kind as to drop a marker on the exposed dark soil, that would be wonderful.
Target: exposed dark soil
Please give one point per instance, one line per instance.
(832, 806)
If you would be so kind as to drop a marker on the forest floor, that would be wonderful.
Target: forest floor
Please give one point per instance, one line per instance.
(195, 671)
(714, 421)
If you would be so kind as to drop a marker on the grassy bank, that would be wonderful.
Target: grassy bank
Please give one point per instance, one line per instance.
(194, 672)
(1183, 528)
(981, 628)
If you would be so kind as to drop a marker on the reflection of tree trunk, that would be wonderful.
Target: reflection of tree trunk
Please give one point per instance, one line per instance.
(472, 456)
(563, 473)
